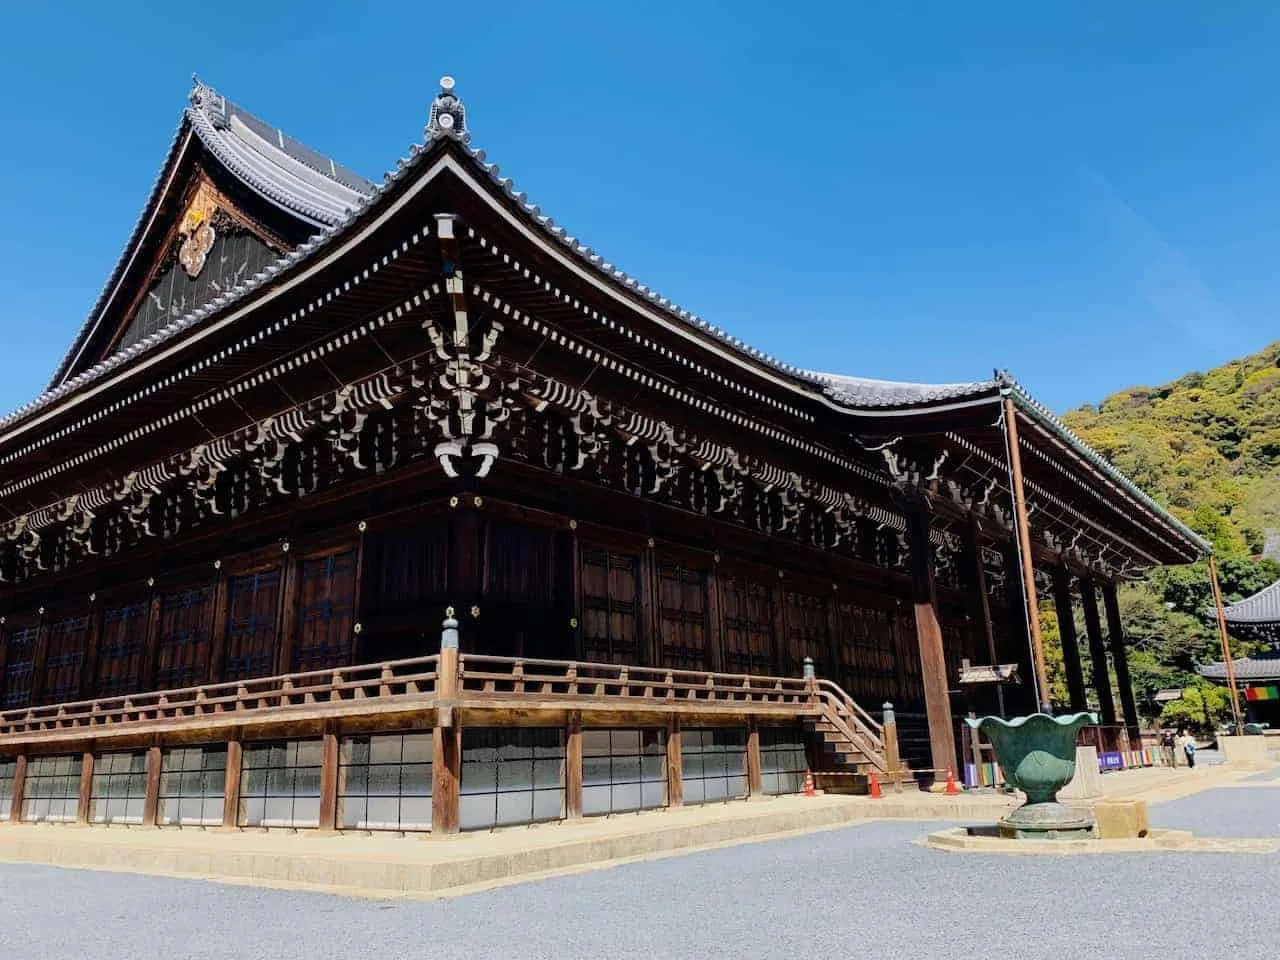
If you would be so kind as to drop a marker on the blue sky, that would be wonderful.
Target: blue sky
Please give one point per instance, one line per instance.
(1088, 195)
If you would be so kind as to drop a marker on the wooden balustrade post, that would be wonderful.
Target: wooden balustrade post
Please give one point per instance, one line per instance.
(753, 758)
(86, 787)
(231, 785)
(19, 788)
(329, 778)
(446, 740)
(151, 801)
(810, 679)
(889, 734)
(675, 763)
(573, 766)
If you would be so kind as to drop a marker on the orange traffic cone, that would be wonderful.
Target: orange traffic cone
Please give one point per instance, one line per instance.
(809, 791)
(952, 789)
(875, 786)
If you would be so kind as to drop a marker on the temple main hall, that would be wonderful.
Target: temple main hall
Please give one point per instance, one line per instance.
(390, 505)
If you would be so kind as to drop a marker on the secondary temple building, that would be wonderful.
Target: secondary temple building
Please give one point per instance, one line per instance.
(393, 505)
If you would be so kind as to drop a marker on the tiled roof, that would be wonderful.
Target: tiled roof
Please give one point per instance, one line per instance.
(1262, 607)
(289, 176)
(279, 168)
(1260, 666)
(285, 172)
(868, 392)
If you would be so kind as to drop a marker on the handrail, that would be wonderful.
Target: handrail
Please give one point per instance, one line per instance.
(479, 677)
(411, 677)
(868, 721)
(484, 676)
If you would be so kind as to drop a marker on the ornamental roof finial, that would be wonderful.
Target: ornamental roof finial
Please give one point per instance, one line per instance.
(448, 115)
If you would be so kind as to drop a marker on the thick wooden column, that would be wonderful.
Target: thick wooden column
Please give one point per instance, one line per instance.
(329, 778)
(1119, 654)
(1067, 634)
(933, 663)
(979, 603)
(231, 785)
(446, 739)
(19, 788)
(151, 800)
(38, 658)
(1098, 653)
(675, 763)
(573, 766)
(1024, 551)
(86, 787)
(754, 772)
(1020, 698)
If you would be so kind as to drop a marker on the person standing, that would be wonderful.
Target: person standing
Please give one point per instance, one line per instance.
(1168, 748)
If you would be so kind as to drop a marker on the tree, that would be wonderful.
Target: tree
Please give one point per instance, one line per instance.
(1202, 708)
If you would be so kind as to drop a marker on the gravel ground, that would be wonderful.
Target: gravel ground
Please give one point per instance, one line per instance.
(865, 889)
(1224, 812)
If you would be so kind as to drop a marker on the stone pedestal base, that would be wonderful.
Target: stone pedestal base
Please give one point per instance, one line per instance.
(1047, 821)
(1121, 819)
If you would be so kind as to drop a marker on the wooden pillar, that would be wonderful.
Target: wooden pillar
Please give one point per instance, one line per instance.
(150, 648)
(231, 785)
(290, 576)
(979, 602)
(933, 664)
(1032, 604)
(93, 640)
(446, 739)
(1020, 699)
(38, 658)
(753, 758)
(329, 778)
(1067, 633)
(675, 763)
(1224, 639)
(573, 765)
(1120, 655)
(19, 788)
(151, 801)
(86, 787)
(715, 621)
(218, 633)
(1097, 653)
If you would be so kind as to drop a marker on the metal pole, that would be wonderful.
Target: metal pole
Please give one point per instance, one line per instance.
(1226, 643)
(1024, 552)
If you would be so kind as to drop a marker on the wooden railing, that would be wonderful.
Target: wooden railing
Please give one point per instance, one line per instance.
(397, 678)
(857, 726)
(484, 676)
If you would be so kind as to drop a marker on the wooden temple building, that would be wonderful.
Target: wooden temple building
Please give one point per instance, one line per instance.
(393, 505)
(1255, 619)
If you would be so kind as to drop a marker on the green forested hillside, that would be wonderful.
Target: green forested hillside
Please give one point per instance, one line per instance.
(1208, 447)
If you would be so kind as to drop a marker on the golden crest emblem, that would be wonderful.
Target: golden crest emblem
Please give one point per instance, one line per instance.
(197, 232)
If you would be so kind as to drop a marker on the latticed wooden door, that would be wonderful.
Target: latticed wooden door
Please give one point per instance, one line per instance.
(748, 626)
(64, 659)
(326, 611)
(682, 616)
(253, 624)
(610, 606)
(121, 648)
(183, 637)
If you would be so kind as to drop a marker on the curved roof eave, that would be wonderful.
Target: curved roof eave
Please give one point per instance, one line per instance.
(1043, 416)
(209, 117)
